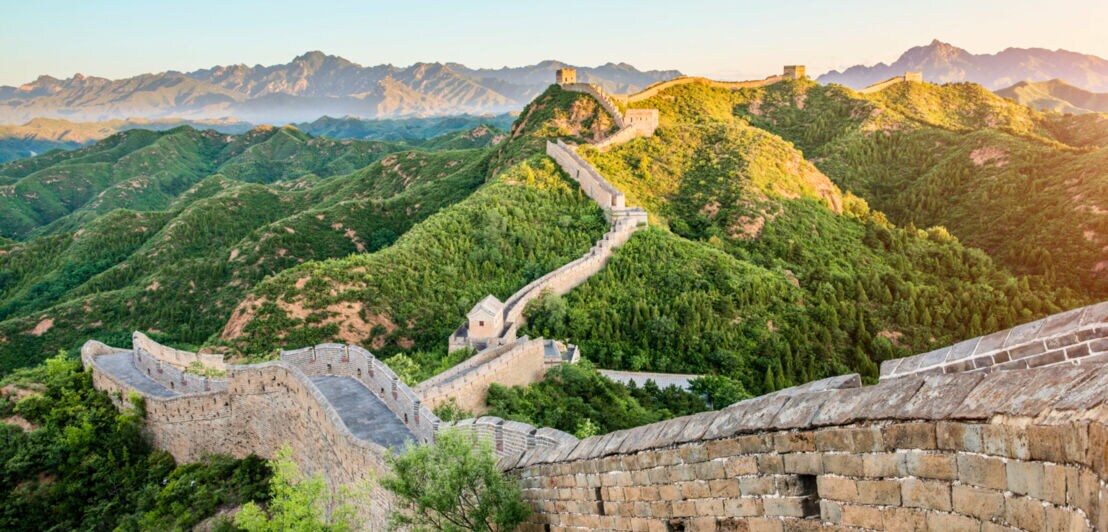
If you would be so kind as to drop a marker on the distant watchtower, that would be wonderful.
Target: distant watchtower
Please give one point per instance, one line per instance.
(913, 76)
(795, 72)
(565, 76)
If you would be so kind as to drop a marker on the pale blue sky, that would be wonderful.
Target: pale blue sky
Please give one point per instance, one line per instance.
(719, 38)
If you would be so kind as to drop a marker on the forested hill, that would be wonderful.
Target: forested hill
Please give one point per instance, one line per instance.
(167, 232)
(762, 271)
(1031, 189)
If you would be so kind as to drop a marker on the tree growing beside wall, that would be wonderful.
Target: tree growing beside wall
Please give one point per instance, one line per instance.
(452, 484)
(298, 503)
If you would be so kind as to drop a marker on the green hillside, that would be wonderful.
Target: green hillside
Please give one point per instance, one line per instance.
(1029, 189)
(1056, 95)
(145, 170)
(179, 272)
(768, 274)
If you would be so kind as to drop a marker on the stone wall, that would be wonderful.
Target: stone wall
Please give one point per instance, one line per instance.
(171, 376)
(981, 450)
(510, 438)
(1079, 336)
(263, 407)
(876, 87)
(592, 183)
(653, 90)
(176, 357)
(354, 361)
(603, 98)
(1024, 449)
(519, 363)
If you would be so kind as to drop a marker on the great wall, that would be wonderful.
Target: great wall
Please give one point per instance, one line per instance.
(1002, 432)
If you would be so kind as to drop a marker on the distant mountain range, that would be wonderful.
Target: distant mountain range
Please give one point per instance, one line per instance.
(310, 86)
(941, 62)
(1056, 95)
(44, 134)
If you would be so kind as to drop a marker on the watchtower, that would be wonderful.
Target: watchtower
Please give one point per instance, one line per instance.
(913, 76)
(795, 72)
(565, 76)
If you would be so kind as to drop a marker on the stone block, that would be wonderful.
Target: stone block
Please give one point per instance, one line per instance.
(845, 464)
(746, 416)
(909, 436)
(1060, 519)
(709, 507)
(696, 489)
(1021, 334)
(926, 494)
(803, 463)
(743, 507)
(831, 511)
(882, 492)
(904, 519)
(786, 506)
(770, 464)
(722, 448)
(862, 516)
(939, 396)
(954, 436)
(834, 440)
(884, 465)
(837, 488)
(1061, 443)
(757, 486)
(952, 523)
(931, 465)
(1046, 387)
(1004, 440)
(799, 411)
(883, 401)
(728, 487)
(1093, 393)
(1024, 512)
(983, 471)
(740, 465)
(983, 504)
(992, 394)
(794, 442)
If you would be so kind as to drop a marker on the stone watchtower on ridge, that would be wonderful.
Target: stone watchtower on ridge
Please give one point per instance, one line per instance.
(565, 76)
(795, 72)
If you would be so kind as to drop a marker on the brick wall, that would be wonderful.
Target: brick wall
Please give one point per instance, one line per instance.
(175, 357)
(520, 363)
(1023, 449)
(1079, 336)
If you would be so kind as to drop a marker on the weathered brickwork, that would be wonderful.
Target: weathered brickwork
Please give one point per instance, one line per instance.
(942, 452)
(876, 87)
(1079, 336)
(519, 363)
(176, 357)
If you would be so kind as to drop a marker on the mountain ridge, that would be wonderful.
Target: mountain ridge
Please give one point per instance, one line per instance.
(309, 86)
(942, 62)
(1056, 95)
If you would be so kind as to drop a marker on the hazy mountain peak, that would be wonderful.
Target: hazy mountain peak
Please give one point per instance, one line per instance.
(943, 62)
